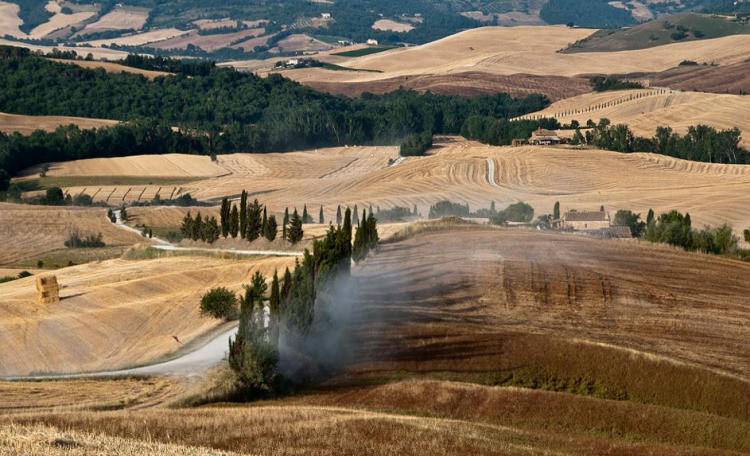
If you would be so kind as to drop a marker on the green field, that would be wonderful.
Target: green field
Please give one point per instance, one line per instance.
(659, 32)
(363, 51)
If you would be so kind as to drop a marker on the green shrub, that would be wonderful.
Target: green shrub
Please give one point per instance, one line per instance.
(220, 303)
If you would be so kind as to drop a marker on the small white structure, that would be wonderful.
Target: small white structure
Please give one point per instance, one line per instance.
(292, 62)
(325, 15)
(372, 42)
(543, 137)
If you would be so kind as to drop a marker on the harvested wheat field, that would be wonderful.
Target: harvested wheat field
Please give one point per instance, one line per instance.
(389, 24)
(12, 123)
(87, 394)
(459, 170)
(114, 67)
(526, 50)
(31, 230)
(166, 165)
(725, 78)
(644, 110)
(209, 42)
(115, 313)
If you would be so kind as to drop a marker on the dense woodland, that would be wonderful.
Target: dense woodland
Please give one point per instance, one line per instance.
(225, 111)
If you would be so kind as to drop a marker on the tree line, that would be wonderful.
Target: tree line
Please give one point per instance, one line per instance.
(701, 143)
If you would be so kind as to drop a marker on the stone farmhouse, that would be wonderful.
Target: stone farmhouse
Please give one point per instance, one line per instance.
(543, 137)
(593, 222)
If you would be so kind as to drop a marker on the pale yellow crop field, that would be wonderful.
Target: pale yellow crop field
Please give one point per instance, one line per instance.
(115, 313)
(140, 38)
(670, 108)
(167, 165)
(388, 24)
(60, 21)
(9, 20)
(97, 53)
(113, 67)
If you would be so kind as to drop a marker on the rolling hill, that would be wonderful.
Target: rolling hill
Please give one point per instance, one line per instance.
(678, 110)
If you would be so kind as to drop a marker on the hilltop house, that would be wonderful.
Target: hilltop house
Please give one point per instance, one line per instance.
(543, 137)
(372, 42)
(325, 15)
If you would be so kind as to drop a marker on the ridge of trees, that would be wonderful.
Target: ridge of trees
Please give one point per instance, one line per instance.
(292, 302)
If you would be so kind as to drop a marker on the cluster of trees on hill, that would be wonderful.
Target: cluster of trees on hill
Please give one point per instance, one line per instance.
(416, 145)
(676, 229)
(591, 13)
(701, 143)
(292, 305)
(198, 228)
(603, 83)
(223, 112)
(185, 67)
(502, 132)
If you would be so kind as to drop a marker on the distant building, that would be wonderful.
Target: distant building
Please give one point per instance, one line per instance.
(519, 142)
(372, 42)
(292, 62)
(325, 15)
(583, 221)
(345, 43)
(544, 137)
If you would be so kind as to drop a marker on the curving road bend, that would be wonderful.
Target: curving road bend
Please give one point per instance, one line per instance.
(491, 173)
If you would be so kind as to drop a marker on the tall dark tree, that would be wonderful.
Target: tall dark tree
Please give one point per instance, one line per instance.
(294, 233)
(355, 216)
(197, 230)
(234, 221)
(287, 286)
(225, 214)
(320, 216)
(274, 307)
(263, 223)
(305, 216)
(187, 226)
(243, 214)
(338, 215)
(556, 210)
(269, 232)
(254, 220)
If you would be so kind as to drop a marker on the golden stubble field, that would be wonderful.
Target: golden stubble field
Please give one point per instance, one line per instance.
(115, 313)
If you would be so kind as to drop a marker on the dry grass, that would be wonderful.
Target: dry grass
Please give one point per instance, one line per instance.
(677, 110)
(301, 42)
(115, 313)
(458, 419)
(724, 78)
(84, 394)
(19, 440)
(212, 42)
(113, 67)
(11, 123)
(167, 165)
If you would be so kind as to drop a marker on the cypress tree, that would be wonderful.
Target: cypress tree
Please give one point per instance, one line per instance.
(320, 216)
(274, 306)
(234, 221)
(254, 221)
(287, 284)
(225, 214)
(243, 214)
(271, 228)
(187, 226)
(348, 222)
(263, 224)
(338, 215)
(415, 212)
(285, 223)
(556, 210)
(305, 215)
(197, 228)
(355, 216)
(295, 232)
(650, 216)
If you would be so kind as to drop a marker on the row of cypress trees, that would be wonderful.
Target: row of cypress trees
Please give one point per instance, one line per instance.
(254, 353)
